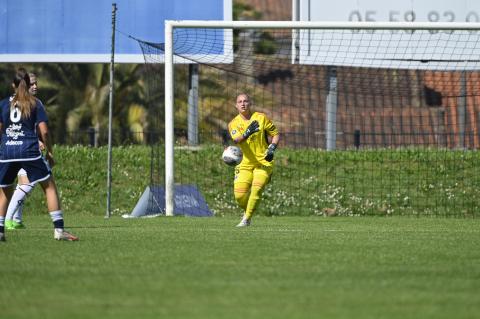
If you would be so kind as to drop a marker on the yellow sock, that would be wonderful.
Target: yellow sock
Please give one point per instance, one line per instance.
(241, 192)
(253, 200)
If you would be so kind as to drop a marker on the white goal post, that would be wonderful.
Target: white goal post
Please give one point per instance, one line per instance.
(294, 25)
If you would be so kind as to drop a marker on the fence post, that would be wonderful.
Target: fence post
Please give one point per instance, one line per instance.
(462, 111)
(356, 139)
(331, 116)
(91, 136)
(192, 104)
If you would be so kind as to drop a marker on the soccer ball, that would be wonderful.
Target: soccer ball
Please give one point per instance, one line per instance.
(232, 155)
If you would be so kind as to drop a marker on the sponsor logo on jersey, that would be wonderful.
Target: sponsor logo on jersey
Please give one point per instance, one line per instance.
(10, 142)
(14, 131)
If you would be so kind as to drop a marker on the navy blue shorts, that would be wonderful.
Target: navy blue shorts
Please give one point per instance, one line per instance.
(37, 170)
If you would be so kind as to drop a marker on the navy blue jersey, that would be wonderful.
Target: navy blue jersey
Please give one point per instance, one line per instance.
(19, 134)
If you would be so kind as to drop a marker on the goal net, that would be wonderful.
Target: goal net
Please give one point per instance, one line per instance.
(375, 119)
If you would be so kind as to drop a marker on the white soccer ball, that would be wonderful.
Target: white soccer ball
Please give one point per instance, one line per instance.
(232, 155)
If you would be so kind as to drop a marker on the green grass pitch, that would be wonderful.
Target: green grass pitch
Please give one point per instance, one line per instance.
(281, 267)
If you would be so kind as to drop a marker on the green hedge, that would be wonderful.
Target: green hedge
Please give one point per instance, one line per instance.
(81, 176)
(305, 182)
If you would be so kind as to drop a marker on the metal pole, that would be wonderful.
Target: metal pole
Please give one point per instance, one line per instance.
(331, 118)
(169, 138)
(193, 104)
(462, 111)
(110, 115)
(296, 33)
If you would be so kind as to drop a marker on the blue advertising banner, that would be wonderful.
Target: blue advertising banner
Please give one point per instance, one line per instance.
(188, 202)
(80, 31)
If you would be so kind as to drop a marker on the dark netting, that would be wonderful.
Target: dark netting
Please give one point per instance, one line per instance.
(397, 110)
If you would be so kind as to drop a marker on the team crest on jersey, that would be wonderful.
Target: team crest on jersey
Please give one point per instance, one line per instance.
(234, 132)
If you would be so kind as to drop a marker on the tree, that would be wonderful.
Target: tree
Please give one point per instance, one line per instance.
(76, 98)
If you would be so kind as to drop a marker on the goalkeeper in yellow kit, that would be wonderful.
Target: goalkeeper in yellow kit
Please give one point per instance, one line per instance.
(251, 132)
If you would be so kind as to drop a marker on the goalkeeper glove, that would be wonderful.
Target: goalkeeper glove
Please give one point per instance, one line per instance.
(252, 128)
(270, 151)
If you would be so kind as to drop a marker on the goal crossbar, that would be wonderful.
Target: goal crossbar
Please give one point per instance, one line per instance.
(322, 25)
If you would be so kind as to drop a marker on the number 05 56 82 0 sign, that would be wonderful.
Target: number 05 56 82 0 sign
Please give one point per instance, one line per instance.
(408, 49)
(390, 10)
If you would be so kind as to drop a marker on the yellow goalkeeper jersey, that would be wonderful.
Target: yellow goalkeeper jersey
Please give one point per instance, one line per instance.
(255, 146)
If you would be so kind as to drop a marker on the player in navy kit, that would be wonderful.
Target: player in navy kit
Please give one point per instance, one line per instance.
(14, 217)
(23, 122)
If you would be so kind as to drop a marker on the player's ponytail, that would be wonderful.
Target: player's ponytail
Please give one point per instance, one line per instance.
(22, 98)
